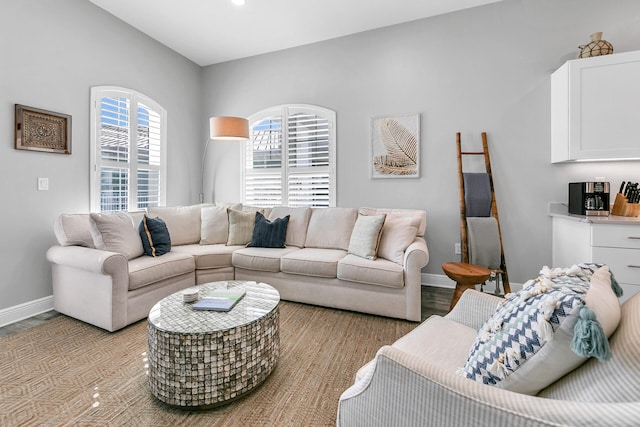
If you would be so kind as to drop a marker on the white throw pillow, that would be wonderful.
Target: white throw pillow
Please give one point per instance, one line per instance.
(397, 234)
(116, 232)
(215, 225)
(330, 228)
(240, 227)
(73, 230)
(365, 236)
(532, 338)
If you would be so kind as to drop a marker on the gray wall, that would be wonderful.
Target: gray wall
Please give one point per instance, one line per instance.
(51, 53)
(483, 69)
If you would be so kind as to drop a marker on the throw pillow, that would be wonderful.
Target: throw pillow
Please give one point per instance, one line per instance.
(73, 230)
(269, 234)
(365, 236)
(215, 225)
(183, 222)
(240, 227)
(546, 330)
(155, 236)
(397, 234)
(115, 232)
(330, 228)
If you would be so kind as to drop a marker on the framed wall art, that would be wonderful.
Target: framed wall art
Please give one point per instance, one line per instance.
(42, 130)
(395, 146)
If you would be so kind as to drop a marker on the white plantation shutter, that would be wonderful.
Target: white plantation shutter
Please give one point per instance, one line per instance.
(292, 165)
(263, 162)
(127, 150)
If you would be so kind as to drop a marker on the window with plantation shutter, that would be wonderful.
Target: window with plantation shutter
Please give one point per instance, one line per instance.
(290, 157)
(128, 141)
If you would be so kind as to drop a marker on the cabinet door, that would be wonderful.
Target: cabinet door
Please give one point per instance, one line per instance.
(602, 95)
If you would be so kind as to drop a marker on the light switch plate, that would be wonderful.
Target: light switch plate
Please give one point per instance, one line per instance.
(43, 184)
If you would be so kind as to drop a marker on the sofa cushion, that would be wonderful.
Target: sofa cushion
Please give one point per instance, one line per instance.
(73, 230)
(214, 226)
(144, 271)
(183, 222)
(261, 259)
(313, 262)
(155, 236)
(115, 232)
(269, 234)
(615, 381)
(365, 236)
(298, 223)
(330, 228)
(208, 256)
(419, 216)
(539, 334)
(397, 234)
(379, 272)
(240, 227)
(447, 355)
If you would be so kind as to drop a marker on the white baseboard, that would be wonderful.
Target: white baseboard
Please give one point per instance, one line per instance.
(437, 280)
(442, 281)
(25, 310)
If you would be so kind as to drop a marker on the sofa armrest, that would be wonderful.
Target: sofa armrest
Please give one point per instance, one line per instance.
(416, 256)
(405, 390)
(90, 284)
(474, 308)
(417, 253)
(89, 259)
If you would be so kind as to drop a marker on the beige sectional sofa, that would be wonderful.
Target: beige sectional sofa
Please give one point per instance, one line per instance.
(114, 288)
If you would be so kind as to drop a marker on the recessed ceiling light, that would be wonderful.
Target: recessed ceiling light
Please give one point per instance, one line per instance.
(238, 2)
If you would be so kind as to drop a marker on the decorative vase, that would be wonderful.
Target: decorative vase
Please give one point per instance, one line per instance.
(597, 47)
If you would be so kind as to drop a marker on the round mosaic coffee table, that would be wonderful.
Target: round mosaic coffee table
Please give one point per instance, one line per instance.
(200, 359)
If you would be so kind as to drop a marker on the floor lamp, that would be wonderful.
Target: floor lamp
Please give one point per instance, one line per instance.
(226, 129)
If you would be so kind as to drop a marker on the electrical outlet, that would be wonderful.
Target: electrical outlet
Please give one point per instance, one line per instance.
(43, 184)
(457, 249)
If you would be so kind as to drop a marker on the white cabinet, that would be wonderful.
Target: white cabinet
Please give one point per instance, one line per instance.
(595, 109)
(614, 244)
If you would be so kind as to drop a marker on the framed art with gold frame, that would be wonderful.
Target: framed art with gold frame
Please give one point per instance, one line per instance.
(42, 130)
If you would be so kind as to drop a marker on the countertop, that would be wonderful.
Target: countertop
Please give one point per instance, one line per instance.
(561, 210)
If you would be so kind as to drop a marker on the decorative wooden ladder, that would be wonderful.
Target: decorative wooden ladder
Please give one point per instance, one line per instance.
(468, 275)
(502, 271)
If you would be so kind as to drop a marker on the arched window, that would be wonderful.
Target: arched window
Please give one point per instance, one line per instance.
(290, 158)
(128, 150)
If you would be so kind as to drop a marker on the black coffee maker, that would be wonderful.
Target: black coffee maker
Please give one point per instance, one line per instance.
(589, 198)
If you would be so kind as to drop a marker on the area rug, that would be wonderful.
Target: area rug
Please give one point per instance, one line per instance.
(65, 372)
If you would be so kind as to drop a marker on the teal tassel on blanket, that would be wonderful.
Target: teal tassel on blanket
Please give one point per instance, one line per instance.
(588, 336)
(615, 286)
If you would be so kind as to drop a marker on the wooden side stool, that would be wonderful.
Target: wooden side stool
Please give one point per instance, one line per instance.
(466, 276)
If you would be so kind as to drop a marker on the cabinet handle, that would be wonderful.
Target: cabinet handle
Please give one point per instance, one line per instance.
(634, 237)
(633, 266)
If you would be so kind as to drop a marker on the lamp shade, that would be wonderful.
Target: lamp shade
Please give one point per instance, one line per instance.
(229, 128)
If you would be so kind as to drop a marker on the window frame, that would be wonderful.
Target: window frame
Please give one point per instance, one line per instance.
(284, 111)
(135, 98)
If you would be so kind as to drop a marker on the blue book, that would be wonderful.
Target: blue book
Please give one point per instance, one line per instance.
(220, 300)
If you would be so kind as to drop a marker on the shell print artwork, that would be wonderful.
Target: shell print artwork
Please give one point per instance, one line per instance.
(397, 148)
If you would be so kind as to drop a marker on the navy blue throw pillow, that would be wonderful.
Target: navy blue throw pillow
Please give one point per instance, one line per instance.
(269, 234)
(155, 236)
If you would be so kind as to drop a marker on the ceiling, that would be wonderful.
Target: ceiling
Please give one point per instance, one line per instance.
(212, 31)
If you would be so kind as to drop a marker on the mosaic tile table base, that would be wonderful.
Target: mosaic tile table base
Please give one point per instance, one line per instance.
(200, 359)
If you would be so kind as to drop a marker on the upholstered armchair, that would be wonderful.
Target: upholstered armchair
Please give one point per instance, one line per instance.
(414, 383)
